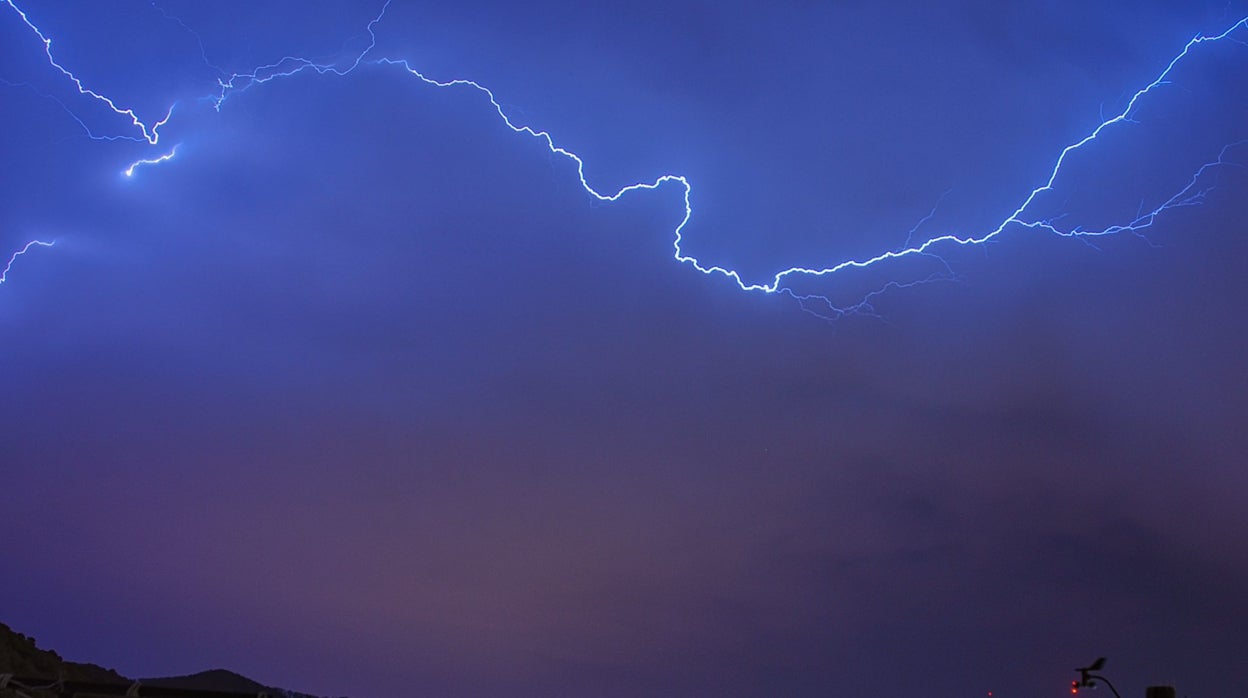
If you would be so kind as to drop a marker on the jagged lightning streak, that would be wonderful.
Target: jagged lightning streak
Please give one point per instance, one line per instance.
(129, 171)
(149, 133)
(1188, 195)
(290, 66)
(4, 273)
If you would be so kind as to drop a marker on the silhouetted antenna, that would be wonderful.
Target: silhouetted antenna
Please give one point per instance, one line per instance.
(1088, 679)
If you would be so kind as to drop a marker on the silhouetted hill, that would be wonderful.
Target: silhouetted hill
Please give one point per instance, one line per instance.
(222, 680)
(20, 656)
(211, 680)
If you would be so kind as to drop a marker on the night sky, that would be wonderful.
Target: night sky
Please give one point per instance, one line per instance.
(361, 393)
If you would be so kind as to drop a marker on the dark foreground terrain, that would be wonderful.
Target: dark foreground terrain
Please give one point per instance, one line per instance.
(34, 672)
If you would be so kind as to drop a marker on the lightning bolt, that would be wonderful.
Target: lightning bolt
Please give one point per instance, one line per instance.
(1194, 192)
(149, 133)
(4, 273)
(129, 171)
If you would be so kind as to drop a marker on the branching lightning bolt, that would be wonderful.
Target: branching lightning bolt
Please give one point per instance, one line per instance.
(149, 133)
(1190, 194)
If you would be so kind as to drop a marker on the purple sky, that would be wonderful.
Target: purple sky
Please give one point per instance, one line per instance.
(362, 393)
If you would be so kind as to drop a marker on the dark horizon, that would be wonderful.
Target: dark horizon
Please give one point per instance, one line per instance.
(361, 393)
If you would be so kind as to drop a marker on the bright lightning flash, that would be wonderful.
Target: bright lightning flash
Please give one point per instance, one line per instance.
(1192, 193)
(129, 171)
